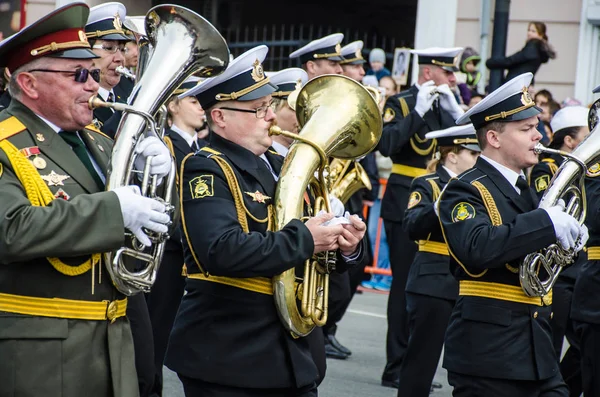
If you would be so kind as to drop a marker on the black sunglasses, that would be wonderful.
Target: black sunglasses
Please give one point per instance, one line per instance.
(81, 74)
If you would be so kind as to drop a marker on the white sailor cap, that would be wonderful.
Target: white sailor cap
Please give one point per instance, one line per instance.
(463, 135)
(596, 90)
(136, 24)
(510, 102)
(328, 47)
(287, 80)
(188, 84)
(105, 22)
(570, 116)
(352, 53)
(243, 80)
(446, 58)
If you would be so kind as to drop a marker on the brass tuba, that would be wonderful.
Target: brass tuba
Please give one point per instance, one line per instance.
(347, 177)
(339, 118)
(539, 270)
(183, 43)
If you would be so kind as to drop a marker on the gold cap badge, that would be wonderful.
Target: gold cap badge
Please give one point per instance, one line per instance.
(257, 73)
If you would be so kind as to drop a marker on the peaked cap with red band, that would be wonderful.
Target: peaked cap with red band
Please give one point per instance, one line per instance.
(59, 34)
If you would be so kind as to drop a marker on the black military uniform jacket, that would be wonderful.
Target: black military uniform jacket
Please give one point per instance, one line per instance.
(105, 118)
(403, 140)
(226, 334)
(430, 272)
(542, 173)
(585, 305)
(495, 330)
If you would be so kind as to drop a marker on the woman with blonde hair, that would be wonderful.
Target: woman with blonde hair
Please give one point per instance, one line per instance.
(431, 289)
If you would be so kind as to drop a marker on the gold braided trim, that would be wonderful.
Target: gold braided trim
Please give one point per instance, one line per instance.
(329, 55)
(501, 292)
(40, 196)
(54, 46)
(404, 107)
(63, 308)
(349, 60)
(99, 33)
(279, 94)
(262, 285)
(435, 188)
(489, 202)
(593, 253)
(407, 170)
(419, 151)
(553, 168)
(235, 95)
(503, 115)
(440, 63)
(433, 247)
(464, 141)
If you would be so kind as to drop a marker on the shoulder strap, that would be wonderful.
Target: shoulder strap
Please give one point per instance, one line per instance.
(92, 127)
(435, 188)
(404, 106)
(10, 127)
(490, 203)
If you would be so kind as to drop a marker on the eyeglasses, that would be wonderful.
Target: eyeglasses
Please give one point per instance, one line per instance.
(81, 74)
(260, 112)
(110, 48)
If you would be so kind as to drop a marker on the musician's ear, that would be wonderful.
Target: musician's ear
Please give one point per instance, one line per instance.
(218, 117)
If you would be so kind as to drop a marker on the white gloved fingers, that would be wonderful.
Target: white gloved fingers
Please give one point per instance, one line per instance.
(159, 217)
(156, 227)
(583, 238)
(561, 204)
(156, 205)
(428, 83)
(444, 89)
(141, 236)
(147, 142)
(337, 207)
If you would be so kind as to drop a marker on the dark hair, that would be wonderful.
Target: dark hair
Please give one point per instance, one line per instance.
(541, 29)
(558, 139)
(482, 131)
(545, 93)
(553, 107)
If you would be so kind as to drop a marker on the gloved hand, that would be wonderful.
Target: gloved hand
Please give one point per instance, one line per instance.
(566, 228)
(139, 211)
(337, 208)
(583, 238)
(424, 97)
(161, 162)
(448, 101)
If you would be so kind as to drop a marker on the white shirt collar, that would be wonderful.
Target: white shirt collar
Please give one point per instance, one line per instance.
(186, 136)
(262, 156)
(279, 148)
(506, 172)
(449, 171)
(103, 92)
(51, 125)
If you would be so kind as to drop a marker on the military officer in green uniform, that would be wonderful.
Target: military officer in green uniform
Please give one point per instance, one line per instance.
(228, 339)
(499, 340)
(63, 330)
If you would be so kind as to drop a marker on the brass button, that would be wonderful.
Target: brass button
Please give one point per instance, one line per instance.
(535, 315)
(111, 311)
(551, 315)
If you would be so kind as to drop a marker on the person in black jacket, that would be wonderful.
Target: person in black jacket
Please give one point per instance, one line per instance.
(431, 290)
(537, 50)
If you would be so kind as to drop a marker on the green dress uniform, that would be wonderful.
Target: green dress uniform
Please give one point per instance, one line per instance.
(62, 330)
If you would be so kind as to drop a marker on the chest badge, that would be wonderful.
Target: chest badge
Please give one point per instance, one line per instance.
(61, 194)
(258, 197)
(202, 186)
(54, 179)
(40, 137)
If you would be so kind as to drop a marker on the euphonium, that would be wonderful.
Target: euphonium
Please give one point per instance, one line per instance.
(183, 43)
(136, 25)
(539, 270)
(347, 177)
(339, 118)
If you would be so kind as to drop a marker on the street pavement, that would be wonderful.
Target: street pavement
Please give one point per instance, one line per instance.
(362, 330)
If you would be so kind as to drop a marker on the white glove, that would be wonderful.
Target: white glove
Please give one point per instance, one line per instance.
(161, 162)
(583, 238)
(566, 228)
(448, 101)
(337, 208)
(139, 211)
(424, 97)
(342, 219)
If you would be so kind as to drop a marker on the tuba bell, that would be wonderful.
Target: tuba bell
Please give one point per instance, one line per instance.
(347, 177)
(183, 43)
(539, 270)
(339, 118)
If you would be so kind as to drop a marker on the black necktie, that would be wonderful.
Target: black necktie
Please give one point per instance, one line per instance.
(266, 168)
(111, 97)
(81, 152)
(195, 146)
(526, 193)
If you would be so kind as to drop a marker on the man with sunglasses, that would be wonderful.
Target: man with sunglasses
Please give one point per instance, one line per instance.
(227, 339)
(63, 329)
(105, 32)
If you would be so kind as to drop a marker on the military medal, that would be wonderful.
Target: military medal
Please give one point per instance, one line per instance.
(258, 196)
(40, 137)
(54, 179)
(37, 161)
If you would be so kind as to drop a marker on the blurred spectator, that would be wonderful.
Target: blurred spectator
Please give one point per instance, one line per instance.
(568, 101)
(469, 76)
(377, 63)
(542, 97)
(391, 88)
(537, 50)
(475, 99)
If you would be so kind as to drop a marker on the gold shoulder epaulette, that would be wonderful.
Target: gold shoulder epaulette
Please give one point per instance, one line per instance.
(210, 150)
(10, 127)
(92, 127)
(548, 160)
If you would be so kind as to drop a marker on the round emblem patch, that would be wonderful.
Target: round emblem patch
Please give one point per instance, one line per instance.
(462, 211)
(594, 170)
(414, 199)
(542, 182)
(389, 115)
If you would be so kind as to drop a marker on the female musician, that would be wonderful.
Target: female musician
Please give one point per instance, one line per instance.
(431, 290)
(570, 128)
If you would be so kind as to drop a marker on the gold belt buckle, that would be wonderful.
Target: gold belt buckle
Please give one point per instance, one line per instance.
(111, 311)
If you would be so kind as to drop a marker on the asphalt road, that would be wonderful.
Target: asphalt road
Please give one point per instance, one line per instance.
(362, 330)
